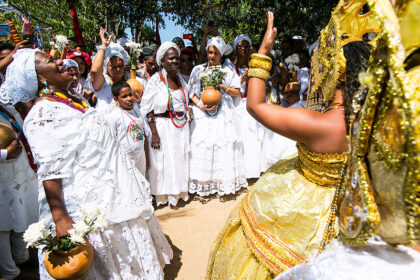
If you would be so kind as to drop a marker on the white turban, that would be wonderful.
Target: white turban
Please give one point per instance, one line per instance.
(123, 41)
(68, 63)
(239, 38)
(229, 49)
(21, 83)
(219, 43)
(163, 49)
(115, 49)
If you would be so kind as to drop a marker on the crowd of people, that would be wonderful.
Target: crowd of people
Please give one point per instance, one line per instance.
(83, 133)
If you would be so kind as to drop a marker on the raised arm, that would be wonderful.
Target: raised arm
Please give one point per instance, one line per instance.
(96, 71)
(321, 132)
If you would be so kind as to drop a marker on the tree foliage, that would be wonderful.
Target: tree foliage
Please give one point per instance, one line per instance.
(292, 17)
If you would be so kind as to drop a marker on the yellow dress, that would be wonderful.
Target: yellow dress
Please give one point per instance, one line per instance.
(281, 221)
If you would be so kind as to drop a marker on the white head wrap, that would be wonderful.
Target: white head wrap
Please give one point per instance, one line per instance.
(163, 49)
(219, 43)
(21, 83)
(229, 49)
(68, 63)
(123, 41)
(239, 38)
(115, 49)
(297, 37)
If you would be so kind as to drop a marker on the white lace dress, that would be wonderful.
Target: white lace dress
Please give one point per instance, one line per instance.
(251, 133)
(18, 187)
(377, 260)
(216, 164)
(169, 165)
(80, 150)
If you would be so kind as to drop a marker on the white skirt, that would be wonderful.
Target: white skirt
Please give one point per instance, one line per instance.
(216, 162)
(136, 249)
(168, 173)
(377, 260)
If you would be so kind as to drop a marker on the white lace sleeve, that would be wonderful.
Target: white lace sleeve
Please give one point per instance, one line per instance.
(194, 85)
(52, 130)
(232, 80)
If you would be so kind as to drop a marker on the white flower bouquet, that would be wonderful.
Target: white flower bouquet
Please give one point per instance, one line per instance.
(37, 235)
(134, 51)
(292, 62)
(212, 76)
(59, 42)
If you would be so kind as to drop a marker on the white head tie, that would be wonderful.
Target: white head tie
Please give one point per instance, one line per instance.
(68, 63)
(163, 49)
(115, 49)
(241, 37)
(123, 41)
(219, 43)
(21, 83)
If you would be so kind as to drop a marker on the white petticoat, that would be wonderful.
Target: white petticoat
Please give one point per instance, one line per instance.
(377, 260)
(135, 249)
(216, 163)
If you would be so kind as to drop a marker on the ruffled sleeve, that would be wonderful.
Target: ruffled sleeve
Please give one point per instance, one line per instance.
(232, 79)
(53, 134)
(155, 97)
(194, 85)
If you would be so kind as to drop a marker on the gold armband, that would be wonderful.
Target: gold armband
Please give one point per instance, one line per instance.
(262, 57)
(259, 73)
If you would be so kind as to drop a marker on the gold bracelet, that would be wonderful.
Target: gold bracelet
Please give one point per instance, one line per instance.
(259, 73)
(261, 57)
(256, 63)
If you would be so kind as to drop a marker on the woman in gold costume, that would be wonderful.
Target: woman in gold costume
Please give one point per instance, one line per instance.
(287, 214)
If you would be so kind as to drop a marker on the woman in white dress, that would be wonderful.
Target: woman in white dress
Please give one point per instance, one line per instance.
(216, 164)
(79, 160)
(252, 132)
(18, 187)
(165, 103)
(107, 68)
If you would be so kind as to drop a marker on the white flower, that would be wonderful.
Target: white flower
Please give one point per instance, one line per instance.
(202, 75)
(81, 228)
(90, 210)
(60, 42)
(101, 223)
(35, 233)
(75, 236)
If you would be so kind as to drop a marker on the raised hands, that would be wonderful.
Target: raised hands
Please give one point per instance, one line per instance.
(269, 37)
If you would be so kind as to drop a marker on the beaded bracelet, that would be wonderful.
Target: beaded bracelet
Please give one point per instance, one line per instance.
(259, 73)
(257, 63)
(260, 57)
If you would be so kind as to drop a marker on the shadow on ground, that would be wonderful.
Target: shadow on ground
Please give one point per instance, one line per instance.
(171, 270)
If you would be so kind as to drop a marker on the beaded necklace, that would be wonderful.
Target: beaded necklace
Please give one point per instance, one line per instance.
(172, 113)
(62, 98)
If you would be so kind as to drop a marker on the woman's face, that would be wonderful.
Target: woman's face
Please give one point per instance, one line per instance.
(171, 61)
(186, 61)
(214, 56)
(76, 76)
(52, 71)
(115, 68)
(243, 48)
(125, 98)
(82, 64)
(151, 65)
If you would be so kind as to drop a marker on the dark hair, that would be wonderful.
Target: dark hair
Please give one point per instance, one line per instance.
(307, 56)
(118, 86)
(6, 46)
(288, 40)
(357, 58)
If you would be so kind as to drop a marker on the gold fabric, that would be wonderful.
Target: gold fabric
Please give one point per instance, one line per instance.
(281, 220)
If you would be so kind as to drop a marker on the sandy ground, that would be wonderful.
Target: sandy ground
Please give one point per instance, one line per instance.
(191, 229)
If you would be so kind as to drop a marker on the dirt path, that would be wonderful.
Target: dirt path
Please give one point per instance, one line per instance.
(191, 230)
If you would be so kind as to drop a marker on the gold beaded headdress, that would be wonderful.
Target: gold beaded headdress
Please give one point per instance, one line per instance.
(381, 190)
(347, 24)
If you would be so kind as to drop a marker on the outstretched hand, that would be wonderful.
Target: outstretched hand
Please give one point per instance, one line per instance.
(105, 41)
(269, 37)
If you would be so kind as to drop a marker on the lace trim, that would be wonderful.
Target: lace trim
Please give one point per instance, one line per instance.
(221, 188)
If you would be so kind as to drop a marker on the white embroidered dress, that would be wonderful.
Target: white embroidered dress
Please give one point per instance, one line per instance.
(169, 165)
(216, 164)
(80, 150)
